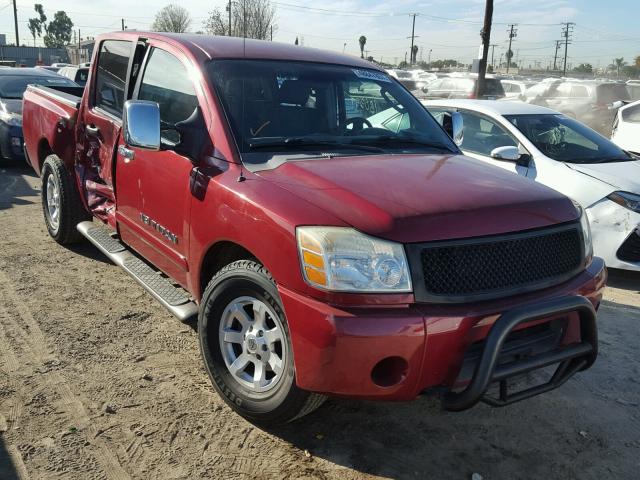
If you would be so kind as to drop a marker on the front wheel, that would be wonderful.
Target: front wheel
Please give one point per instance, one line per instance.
(245, 342)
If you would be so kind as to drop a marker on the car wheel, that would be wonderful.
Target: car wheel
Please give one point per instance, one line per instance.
(246, 346)
(61, 203)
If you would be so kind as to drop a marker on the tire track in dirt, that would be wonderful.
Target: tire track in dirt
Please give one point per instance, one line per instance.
(40, 354)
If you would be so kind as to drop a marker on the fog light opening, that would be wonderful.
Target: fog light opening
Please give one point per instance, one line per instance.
(389, 371)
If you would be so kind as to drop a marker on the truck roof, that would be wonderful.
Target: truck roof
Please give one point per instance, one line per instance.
(235, 47)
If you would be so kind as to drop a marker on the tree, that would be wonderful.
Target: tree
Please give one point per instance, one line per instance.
(363, 41)
(37, 24)
(636, 61)
(619, 63)
(172, 18)
(584, 68)
(58, 31)
(249, 19)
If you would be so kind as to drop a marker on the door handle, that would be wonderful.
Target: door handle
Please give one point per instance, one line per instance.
(92, 130)
(126, 153)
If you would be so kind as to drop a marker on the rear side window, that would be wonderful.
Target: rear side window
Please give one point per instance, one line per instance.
(111, 75)
(165, 80)
(579, 91)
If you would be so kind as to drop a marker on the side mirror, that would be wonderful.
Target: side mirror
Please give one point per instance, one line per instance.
(454, 126)
(510, 154)
(141, 124)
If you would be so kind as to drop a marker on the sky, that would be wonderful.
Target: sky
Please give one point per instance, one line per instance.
(603, 30)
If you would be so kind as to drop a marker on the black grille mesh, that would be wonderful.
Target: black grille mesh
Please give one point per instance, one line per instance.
(629, 251)
(500, 264)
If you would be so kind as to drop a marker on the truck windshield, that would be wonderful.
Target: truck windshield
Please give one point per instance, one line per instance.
(567, 140)
(13, 86)
(277, 106)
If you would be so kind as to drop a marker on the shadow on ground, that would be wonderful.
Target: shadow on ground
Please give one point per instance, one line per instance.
(8, 470)
(624, 279)
(14, 189)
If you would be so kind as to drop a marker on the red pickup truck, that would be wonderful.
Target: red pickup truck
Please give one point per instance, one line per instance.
(323, 228)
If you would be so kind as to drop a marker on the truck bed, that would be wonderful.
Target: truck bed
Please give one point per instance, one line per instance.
(49, 118)
(69, 95)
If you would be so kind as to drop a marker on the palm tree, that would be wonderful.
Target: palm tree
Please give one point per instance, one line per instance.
(619, 63)
(363, 42)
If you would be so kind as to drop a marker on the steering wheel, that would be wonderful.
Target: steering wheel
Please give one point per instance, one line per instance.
(358, 123)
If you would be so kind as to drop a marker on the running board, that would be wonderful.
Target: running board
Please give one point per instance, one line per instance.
(173, 298)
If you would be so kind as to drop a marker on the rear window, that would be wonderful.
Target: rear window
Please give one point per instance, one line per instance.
(612, 92)
(494, 87)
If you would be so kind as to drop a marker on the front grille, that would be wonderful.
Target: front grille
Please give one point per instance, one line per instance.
(629, 251)
(492, 267)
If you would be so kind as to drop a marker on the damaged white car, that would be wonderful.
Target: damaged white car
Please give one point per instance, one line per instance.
(563, 154)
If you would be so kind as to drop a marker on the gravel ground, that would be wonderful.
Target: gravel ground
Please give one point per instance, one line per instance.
(97, 381)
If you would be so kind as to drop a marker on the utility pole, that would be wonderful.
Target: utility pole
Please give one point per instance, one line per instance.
(485, 34)
(413, 37)
(513, 33)
(567, 30)
(555, 57)
(229, 9)
(15, 22)
(122, 21)
(79, 62)
(493, 51)
(429, 59)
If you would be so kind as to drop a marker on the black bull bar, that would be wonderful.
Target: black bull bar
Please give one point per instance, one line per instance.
(570, 358)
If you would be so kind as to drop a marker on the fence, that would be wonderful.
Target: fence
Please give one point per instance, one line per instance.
(32, 56)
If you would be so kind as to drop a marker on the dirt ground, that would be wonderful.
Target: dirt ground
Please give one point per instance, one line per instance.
(98, 381)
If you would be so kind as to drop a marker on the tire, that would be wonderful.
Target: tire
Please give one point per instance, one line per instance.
(61, 203)
(241, 304)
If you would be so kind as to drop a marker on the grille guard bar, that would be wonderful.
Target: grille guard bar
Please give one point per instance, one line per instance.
(571, 358)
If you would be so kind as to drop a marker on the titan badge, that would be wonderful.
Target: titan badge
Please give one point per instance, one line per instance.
(172, 237)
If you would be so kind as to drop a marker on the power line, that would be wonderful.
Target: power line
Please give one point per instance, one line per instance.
(567, 31)
(513, 33)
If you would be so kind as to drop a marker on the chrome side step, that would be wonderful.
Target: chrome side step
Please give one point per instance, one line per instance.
(173, 298)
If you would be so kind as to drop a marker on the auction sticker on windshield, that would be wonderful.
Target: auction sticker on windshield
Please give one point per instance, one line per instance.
(371, 75)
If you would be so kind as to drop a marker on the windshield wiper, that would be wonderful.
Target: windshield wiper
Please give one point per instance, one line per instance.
(386, 140)
(297, 142)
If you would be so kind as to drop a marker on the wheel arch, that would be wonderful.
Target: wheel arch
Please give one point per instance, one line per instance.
(218, 255)
(44, 150)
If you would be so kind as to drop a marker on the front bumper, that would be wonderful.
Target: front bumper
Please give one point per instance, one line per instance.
(395, 353)
(11, 142)
(612, 227)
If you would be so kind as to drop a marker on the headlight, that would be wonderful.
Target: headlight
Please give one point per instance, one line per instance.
(345, 260)
(627, 200)
(11, 119)
(586, 233)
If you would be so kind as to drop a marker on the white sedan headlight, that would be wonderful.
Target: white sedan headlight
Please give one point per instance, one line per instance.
(627, 200)
(345, 260)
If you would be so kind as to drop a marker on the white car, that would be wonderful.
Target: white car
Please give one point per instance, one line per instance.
(626, 128)
(564, 154)
(514, 89)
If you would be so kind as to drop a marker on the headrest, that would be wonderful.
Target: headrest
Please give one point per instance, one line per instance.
(294, 92)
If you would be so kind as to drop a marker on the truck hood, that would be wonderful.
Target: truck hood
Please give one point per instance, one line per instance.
(417, 198)
(620, 175)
